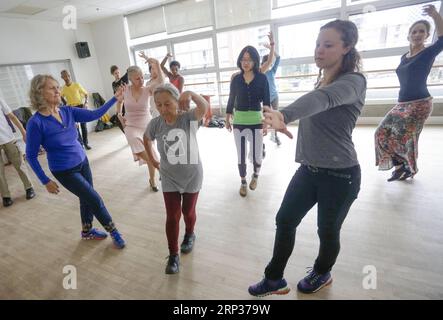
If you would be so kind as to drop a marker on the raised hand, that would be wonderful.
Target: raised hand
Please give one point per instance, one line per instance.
(184, 102)
(169, 55)
(52, 187)
(119, 93)
(271, 38)
(142, 54)
(430, 10)
(274, 119)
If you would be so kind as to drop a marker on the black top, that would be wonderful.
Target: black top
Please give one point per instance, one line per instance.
(413, 72)
(247, 97)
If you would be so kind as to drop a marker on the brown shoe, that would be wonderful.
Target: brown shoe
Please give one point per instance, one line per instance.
(253, 183)
(243, 189)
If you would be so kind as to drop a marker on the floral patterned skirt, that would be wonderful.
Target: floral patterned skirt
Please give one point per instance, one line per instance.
(396, 138)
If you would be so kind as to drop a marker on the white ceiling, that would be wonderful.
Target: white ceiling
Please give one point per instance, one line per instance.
(87, 10)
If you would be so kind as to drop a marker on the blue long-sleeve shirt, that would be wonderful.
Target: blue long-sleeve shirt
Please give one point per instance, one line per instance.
(270, 74)
(413, 72)
(59, 139)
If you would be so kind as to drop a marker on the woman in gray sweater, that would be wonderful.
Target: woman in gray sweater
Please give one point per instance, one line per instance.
(329, 175)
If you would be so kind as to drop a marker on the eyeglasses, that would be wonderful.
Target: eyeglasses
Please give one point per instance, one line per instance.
(246, 61)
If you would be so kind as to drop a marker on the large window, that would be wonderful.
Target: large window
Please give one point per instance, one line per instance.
(195, 54)
(232, 42)
(287, 8)
(298, 40)
(205, 84)
(388, 28)
(157, 53)
(209, 57)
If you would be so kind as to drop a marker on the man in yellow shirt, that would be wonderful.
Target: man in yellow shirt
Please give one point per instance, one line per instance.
(74, 95)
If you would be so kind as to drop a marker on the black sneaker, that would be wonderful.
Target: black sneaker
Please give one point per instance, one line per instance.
(87, 147)
(30, 193)
(277, 141)
(7, 202)
(188, 243)
(400, 174)
(173, 264)
(264, 151)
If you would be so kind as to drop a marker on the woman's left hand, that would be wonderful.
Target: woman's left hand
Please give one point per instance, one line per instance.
(274, 119)
(119, 93)
(184, 102)
(430, 10)
(142, 54)
(271, 38)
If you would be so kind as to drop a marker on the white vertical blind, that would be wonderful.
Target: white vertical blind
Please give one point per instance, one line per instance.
(230, 13)
(146, 22)
(188, 15)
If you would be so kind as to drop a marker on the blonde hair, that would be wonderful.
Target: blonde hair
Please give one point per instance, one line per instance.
(134, 69)
(36, 90)
(169, 88)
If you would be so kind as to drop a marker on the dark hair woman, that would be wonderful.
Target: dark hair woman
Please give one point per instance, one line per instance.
(248, 90)
(329, 175)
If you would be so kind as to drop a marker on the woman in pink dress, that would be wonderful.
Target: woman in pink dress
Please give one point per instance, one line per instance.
(137, 115)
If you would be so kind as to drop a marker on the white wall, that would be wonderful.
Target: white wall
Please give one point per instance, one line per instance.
(25, 41)
(112, 49)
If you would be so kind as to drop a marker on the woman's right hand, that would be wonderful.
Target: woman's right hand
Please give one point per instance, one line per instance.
(274, 119)
(228, 122)
(52, 187)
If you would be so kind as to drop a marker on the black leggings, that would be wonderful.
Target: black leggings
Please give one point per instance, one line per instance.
(334, 191)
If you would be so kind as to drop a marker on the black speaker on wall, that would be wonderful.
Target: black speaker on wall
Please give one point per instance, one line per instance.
(82, 49)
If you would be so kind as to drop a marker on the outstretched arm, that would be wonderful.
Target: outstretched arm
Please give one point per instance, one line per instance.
(347, 89)
(162, 65)
(84, 115)
(265, 66)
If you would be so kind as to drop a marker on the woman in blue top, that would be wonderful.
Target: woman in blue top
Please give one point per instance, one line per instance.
(270, 75)
(53, 127)
(396, 138)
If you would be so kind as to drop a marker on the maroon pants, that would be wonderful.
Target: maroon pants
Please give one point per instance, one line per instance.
(175, 204)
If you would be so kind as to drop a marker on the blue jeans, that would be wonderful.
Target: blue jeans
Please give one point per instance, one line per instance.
(78, 180)
(334, 191)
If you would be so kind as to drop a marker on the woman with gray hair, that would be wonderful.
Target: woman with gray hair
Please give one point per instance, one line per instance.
(54, 127)
(137, 115)
(180, 166)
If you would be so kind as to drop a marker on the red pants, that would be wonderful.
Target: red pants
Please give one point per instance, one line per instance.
(174, 208)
